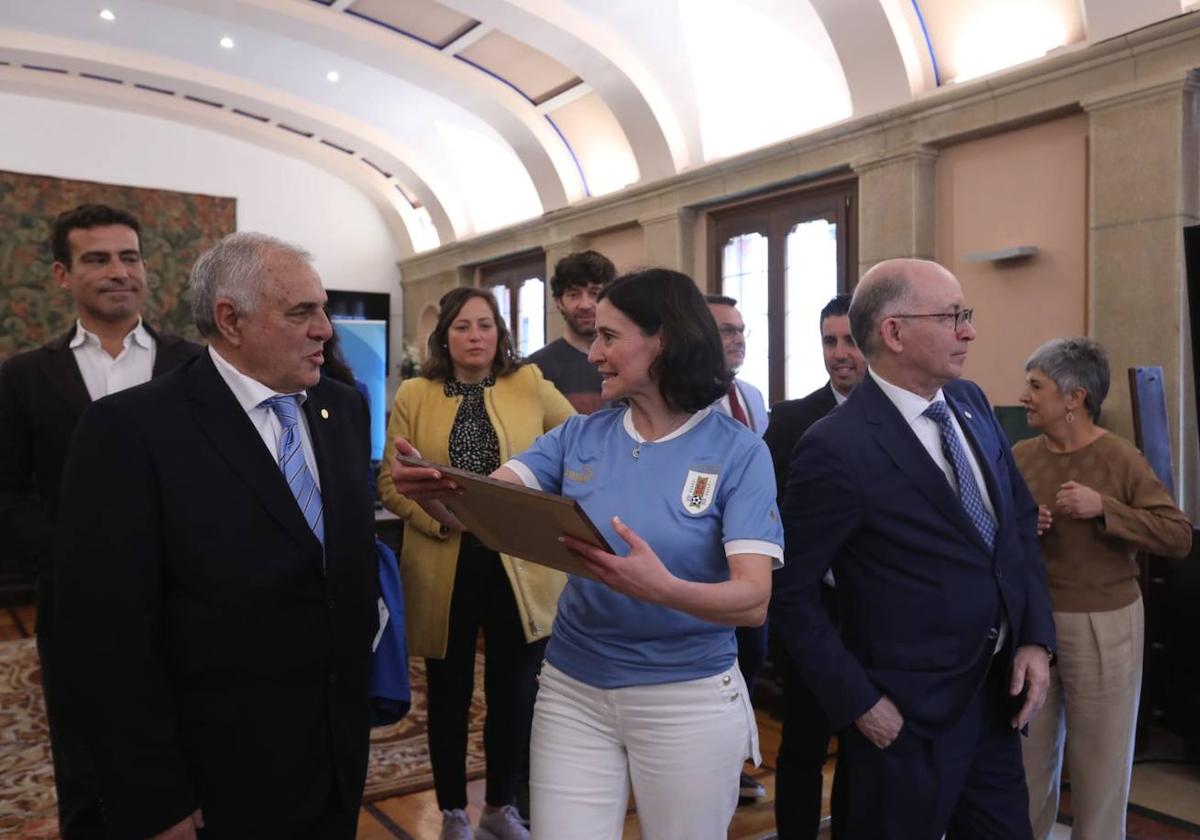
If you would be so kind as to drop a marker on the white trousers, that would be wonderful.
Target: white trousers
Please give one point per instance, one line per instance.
(681, 745)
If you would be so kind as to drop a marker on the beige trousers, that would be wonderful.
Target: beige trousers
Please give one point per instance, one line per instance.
(1092, 704)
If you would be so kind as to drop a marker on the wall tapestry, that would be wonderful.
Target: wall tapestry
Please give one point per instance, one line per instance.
(176, 228)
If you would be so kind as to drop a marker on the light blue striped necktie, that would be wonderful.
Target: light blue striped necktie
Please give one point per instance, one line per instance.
(291, 461)
(968, 488)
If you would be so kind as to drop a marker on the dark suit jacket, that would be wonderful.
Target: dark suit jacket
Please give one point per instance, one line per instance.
(42, 396)
(918, 589)
(211, 660)
(790, 419)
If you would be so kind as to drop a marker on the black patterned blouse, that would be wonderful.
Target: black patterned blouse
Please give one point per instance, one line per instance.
(473, 442)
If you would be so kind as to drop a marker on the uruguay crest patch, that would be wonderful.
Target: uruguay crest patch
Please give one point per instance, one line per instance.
(698, 491)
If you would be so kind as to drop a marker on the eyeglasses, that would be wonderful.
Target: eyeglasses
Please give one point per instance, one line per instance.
(728, 331)
(961, 318)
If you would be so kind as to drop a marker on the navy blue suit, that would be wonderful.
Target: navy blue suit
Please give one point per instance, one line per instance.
(921, 599)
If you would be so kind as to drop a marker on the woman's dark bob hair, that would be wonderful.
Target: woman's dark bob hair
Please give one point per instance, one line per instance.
(690, 371)
(438, 364)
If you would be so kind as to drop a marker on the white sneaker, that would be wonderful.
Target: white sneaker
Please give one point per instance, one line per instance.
(504, 824)
(456, 825)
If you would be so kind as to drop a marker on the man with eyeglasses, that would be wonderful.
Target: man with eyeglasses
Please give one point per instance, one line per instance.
(910, 494)
(744, 403)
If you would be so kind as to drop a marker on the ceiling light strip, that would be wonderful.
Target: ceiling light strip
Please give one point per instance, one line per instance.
(578, 168)
(937, 77)
(202, 101)
(258, 117)
(154, 89)
(333, 145)
(377, 168)
(43, 69)
(97, 77)
(299, 131)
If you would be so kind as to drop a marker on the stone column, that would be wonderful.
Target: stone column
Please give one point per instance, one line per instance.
(1144, 186)
(895, 205)
(668, 240)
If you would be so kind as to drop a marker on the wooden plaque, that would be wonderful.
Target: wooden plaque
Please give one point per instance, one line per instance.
(515, 520)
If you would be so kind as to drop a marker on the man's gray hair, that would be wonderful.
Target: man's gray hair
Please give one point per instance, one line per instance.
(1072, 363)
(873, 301)
(233, 269)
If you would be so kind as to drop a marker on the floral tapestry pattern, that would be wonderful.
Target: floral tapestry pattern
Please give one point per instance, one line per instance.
(176, 228)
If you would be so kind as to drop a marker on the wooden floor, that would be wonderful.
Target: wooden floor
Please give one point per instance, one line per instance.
(1165, 800)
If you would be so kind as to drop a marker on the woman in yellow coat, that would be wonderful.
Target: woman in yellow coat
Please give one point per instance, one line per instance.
(473, 407)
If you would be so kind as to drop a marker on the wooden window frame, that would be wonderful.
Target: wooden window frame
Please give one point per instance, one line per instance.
(511, 272)
(773, 216)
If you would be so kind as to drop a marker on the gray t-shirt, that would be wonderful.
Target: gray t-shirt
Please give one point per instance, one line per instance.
(571, 373)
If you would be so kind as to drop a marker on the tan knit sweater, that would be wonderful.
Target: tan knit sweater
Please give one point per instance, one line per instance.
(1090, 562)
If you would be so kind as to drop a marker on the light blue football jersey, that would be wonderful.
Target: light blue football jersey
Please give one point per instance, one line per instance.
(697, 496)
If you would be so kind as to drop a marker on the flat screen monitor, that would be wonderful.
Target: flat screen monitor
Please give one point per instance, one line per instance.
(361, 321)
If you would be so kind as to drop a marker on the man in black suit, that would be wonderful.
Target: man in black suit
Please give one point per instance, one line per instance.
(910, 494)
(98, 260)
(217, 602)
(804, 740)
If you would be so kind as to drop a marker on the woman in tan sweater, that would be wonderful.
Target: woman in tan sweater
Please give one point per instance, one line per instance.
(473, 407)
(1099, 504)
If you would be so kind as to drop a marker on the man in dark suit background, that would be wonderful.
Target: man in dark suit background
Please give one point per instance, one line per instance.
(217, 601)
(804, 739)
(845, 365)
(910, 494)
(98, 261)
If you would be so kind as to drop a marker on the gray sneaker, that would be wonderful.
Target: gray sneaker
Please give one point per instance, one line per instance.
(456, 825)
(504, 824)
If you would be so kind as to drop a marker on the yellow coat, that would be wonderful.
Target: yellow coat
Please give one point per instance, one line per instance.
(521, 406)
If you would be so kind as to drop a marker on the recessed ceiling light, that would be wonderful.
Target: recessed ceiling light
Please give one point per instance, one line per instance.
(333, 75)
(107, 14)
(227, 42)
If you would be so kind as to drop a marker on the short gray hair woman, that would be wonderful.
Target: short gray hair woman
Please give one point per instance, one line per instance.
(1099, 504)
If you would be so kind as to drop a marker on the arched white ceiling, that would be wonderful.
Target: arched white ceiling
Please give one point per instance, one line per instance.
(460, 116)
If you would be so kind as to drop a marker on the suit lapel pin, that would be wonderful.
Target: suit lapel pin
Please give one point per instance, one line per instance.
(966, 414)
(324, 413)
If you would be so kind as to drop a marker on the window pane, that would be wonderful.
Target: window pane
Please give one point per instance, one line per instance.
(532, 306)
(502, 300)
(811, 275)
(744, 277)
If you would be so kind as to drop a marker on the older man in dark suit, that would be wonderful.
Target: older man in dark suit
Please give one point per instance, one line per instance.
(217, 602)
(910, 494)
(804, 740)
(98, 261)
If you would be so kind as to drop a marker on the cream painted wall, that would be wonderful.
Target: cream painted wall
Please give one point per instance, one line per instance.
(276, 194)
(1024, 187)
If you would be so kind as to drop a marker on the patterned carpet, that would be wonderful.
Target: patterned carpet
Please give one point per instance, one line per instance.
(399, 760)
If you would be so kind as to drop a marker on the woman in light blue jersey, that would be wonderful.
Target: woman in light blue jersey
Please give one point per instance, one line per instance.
(640, 683)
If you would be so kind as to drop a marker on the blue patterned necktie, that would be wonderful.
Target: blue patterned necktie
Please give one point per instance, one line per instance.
(968, 488)
(291, 462)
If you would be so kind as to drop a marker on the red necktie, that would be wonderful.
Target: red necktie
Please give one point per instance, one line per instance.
(735, 407)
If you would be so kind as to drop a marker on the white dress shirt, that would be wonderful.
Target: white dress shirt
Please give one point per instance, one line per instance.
(838, 396)
(724, 406)
(104, 375)
(911, 407)
(250, 393)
